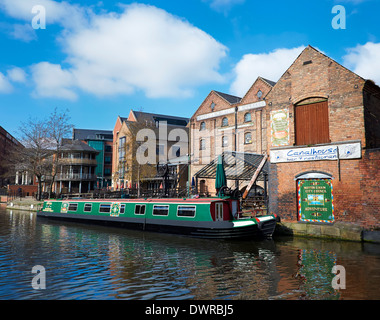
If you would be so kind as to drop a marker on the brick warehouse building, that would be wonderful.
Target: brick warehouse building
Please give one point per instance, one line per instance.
(222, 117)
(323, 137)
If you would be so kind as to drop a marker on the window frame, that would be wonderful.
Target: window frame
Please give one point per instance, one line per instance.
(245, 137)
(140, 206)
(250, 117)
(160, 215)
(104, 204)
(202, 144)
(72, 204)
(186, 216)
(87, 204)
(224, 141)
(225, 122)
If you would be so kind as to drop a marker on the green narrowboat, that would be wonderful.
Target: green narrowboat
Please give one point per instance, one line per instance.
(217, 218)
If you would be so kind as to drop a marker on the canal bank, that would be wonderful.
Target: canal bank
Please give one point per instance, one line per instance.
(24, 204)
(337, 231)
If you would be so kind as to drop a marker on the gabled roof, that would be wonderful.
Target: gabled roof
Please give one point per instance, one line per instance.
(228, 97)
(270, 82)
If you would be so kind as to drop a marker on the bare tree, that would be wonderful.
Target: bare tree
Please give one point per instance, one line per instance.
(35, 155)
(58, 128)
(42, 140)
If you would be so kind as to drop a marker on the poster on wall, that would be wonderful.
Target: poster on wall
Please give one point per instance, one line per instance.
(316, 201)
(279, 127)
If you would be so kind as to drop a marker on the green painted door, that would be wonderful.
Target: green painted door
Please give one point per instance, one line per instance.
(315, 200)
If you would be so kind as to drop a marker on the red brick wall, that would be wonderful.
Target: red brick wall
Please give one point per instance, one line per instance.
(357, 194)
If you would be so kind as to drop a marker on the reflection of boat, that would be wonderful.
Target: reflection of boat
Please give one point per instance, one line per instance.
(205, 217)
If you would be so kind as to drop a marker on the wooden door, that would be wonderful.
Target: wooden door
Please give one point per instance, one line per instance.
(312, 123)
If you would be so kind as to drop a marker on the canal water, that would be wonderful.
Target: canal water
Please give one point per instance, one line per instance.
(95, 262)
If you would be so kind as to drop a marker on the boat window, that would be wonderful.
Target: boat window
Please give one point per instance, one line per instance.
(122, 209)
(105, 208)
(88, 207)
(219, 211)
(160, 210)
(140, 209)
(73, 207)
(186, 211)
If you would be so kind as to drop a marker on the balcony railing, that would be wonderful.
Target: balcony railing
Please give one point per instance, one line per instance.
(75, 176)
(77, 161)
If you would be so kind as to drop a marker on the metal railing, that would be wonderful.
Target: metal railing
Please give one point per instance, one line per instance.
(75, 176)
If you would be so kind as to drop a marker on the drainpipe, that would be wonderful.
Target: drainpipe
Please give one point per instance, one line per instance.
(236, 111)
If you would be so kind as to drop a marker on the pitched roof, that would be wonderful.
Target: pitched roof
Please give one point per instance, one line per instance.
(87, 134)
(228, 97)
(153, 117)
(270, 82)
(76, 145)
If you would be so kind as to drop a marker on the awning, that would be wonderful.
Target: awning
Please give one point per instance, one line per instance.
(237, 166)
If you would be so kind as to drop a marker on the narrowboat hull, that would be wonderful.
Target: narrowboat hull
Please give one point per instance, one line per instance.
(199, 227)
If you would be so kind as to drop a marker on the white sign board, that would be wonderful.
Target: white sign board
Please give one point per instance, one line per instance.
(330, 152)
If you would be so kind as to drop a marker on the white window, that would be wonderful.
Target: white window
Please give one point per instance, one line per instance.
(202, 144)
(73, 207)
(224, 141)
(105, 208)
(186, 211)
(219, 211)
(160, 210)
(248, 138)
(140, 209)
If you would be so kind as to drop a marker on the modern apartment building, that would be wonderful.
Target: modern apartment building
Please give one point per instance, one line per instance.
(100, 140)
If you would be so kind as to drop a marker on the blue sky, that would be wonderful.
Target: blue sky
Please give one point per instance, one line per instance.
(99, 59)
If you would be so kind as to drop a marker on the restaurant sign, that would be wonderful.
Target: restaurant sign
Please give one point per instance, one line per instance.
(329, 152)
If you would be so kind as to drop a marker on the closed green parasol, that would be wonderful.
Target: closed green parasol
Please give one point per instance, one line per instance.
(220, 175)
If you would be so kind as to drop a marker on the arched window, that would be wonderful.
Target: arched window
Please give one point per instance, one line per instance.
(203, 126)
(202, 144)
(224, 141)
(225, 122)
(247, 117)
(248, 138)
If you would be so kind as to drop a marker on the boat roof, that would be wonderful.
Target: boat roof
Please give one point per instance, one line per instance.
(163, 200)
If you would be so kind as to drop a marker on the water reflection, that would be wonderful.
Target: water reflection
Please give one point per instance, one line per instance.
(93, 262)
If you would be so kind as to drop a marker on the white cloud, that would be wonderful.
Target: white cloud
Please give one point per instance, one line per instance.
(364, 60)
(142, 49)
(16, 75)
(23, 32)
(145, 48)
(267, 65)
(5, 86)
(66, 14)
(51, 81)
(222, 5)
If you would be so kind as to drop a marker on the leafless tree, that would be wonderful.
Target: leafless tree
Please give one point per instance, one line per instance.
(42, 139)
(58, 128)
